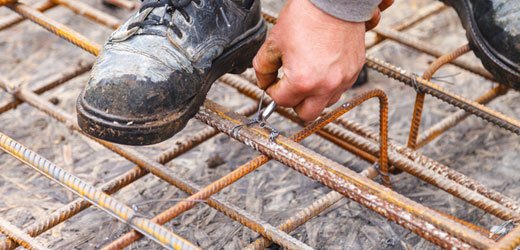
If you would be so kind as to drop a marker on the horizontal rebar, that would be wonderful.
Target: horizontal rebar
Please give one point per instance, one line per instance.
(110, 205)
(66, 212)
(308, 212)
(429, 49)
(254, 164)
(440, 176)
(416, 217)
(19, 236)
(87, 45)
(432, 89)
(56, 27)
(449, 122)
(328, 200)
(163, 172)
(441, 170)
(14, 19)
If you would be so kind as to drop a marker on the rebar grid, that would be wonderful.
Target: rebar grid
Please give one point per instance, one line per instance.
(442, 229)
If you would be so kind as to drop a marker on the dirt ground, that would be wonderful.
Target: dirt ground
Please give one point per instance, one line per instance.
(476, 148)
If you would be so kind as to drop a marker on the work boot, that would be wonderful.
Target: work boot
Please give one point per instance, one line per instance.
(493, 31)
(154, 72)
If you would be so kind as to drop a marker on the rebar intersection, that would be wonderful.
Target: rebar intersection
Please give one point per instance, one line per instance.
(442, 229)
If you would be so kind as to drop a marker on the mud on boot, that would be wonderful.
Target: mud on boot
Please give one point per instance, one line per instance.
(155, 71)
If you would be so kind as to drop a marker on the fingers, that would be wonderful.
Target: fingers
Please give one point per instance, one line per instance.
(284, 94)
(311, 107)
(372, 23)
(266, 63)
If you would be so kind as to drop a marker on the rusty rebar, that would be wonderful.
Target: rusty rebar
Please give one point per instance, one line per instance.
(19, 236)
(180, 147)
(14, 19)
(449, 122)
(420, 15)
(415, 124)
(55, 27)
(441, 177)
(97, 197)
(441, 170)
(429, 49)
(328, 200)
(416, 217)
(436, 91)
(248, 88)
(254, 164)
(309, 212)
(164, 173)
(420, 97)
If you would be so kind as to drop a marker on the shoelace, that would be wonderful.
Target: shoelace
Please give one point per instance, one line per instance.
(170, 7)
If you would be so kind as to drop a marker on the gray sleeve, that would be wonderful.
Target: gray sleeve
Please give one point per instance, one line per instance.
(348, 10)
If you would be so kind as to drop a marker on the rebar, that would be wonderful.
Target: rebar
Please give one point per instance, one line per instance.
(429, 171)
(433, 89)
(441, 170)
(407, 23)
(384, 201)
(254, 164)
(309, 212)
(20, 237)
(180, 147)
(56, 27)
(164, 173)
(454, 119)
(442, 229)
(14, 19)
(6, 2)
(97, 197)
(428, 49)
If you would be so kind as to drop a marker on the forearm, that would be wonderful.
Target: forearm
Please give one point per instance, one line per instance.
(349, 10)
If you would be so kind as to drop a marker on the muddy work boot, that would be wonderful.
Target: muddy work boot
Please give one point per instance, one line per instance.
(154, 72)
(493, 31)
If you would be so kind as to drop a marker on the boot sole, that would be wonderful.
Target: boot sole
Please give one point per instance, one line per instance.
(503, 71)
(235, 59)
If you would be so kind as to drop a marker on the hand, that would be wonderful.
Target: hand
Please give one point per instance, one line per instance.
(321, 57)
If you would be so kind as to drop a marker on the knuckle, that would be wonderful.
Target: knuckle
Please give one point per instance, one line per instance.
(304, 82)
(282, 101)
(304, 87)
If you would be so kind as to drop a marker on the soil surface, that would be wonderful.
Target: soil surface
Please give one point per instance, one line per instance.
(29, 54)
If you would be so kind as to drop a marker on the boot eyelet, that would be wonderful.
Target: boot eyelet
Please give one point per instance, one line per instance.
(199, 5)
